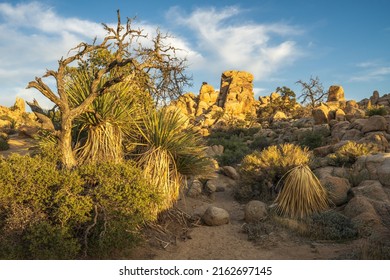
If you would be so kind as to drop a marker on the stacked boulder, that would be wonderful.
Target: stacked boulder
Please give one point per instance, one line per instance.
(234, 100)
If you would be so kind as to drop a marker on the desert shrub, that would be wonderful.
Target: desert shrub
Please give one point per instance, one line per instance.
(51, 213)
(261, 170)
(374, 249)
(119, 189)
(377, 110)
(300, 194)
(275, 160)
(331, 225)
(259, 143)
(4, 136)
(312, 140)
(3, 144)
(347, 154)
(46, 241)
(29, 218)
(235, 147)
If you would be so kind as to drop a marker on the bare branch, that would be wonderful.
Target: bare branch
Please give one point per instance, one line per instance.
(44, 89)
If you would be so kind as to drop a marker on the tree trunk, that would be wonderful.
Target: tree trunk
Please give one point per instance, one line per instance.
(68, 157)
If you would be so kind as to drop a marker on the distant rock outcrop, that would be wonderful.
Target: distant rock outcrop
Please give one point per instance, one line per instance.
(235, 99)
(236, 94)
(336, 93)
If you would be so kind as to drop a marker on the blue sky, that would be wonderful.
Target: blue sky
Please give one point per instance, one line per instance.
(342, 42)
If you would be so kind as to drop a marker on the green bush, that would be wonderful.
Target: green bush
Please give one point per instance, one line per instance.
(46, 242)
(378, 110)
(3, 144)
(234, 141)
(347, 154)
(331, 225)
(50, 213)
(312, 140)
(259, 143)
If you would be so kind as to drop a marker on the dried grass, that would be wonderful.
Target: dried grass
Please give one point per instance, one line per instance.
(301, 194)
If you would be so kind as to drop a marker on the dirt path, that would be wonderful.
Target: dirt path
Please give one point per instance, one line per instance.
(18, 144)
(231, 242)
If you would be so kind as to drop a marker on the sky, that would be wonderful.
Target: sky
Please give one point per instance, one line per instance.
(342, 42)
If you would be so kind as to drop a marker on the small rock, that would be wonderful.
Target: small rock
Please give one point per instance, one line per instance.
(210, 187)
(231, 172)
(195, 189)
(255, 211)
(215, 216)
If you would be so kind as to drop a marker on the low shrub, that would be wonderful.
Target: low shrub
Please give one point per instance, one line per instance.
(234, 143)
(331, 225)
(312, 140)
(275, 161)
(347, 154)
(51, 213)
(261, 170)
(377, 110)
(3, 144)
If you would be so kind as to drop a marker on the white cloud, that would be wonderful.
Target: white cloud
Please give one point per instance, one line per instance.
(33, 38)
(226, 44)
(370, 71)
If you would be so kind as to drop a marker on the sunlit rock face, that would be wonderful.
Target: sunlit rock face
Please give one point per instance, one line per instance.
(236, 93)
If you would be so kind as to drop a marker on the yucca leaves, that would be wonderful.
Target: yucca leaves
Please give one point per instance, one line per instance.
(167, 152)
(301, 194)
(107, 119)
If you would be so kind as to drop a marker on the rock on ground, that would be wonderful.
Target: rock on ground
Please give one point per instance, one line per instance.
(215, 216)
(255, 211)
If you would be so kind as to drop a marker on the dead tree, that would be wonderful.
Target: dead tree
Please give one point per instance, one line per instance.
(165, 72)
(312, 92)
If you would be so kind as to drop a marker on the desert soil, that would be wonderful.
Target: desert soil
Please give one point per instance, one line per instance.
(19, 144)
(230, 242)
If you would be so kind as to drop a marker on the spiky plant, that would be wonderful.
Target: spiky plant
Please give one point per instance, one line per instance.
(301, 194)
(105, 121)
(167, 152)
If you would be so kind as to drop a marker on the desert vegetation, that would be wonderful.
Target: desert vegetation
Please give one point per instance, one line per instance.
(123, 148)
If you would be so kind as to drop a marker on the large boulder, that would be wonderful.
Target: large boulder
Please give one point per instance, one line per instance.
(320, 114)
(336, 93)
(375, 123)
(338, 189)
(374, 98)
(372, 167)
(236, 95)
(215, 216)
(371, 189)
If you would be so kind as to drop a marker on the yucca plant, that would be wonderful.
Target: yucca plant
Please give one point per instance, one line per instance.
(167, 151)
(105, 121)
(300, 194)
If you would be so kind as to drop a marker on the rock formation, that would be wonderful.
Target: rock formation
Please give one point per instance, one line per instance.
(236, 93)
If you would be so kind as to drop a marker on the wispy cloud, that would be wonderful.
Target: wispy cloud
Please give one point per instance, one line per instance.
(369, 71)
(225, 43)
(34, 36)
